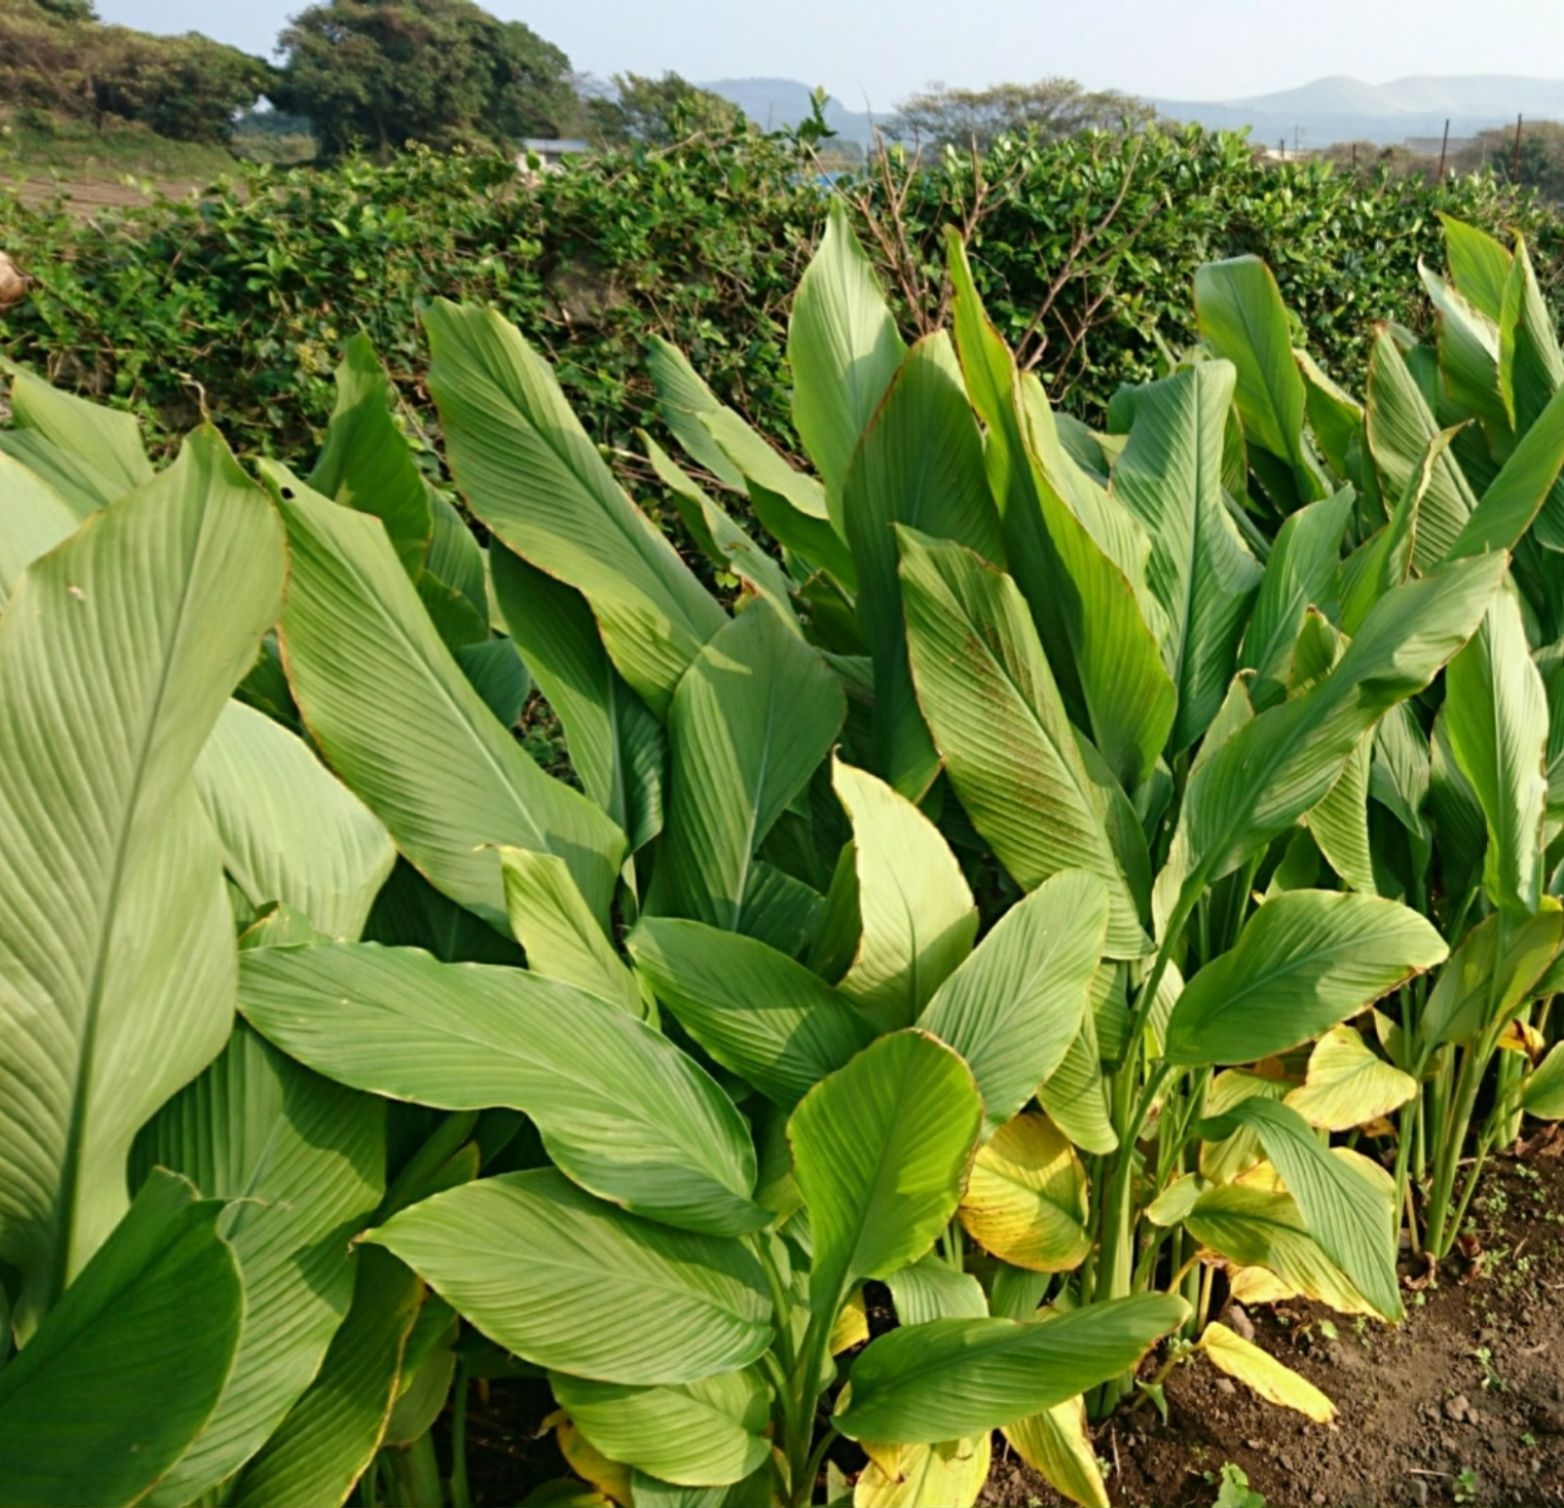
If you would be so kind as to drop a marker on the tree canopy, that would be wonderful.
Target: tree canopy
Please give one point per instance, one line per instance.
(385, 72)
(660, 110)
(1053, 107)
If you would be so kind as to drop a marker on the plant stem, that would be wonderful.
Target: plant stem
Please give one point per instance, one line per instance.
(461, 1494)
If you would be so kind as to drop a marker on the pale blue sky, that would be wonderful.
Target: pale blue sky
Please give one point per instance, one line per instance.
(879, 49)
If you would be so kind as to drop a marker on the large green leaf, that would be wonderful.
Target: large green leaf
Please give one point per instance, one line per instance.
(1525, 483)
(1468, 351)
(1200, 570)
(532, 474)
(706, 1433)
(33, 520)
(1306, 960)
(90, 455)
(331, 1434)
(574, 1284)
(117, 652)
(759, 1013)
(621, 1109)
(1282, 762)
(366, 462)
(1013, 1008)
(750, 722)
(920, 463)
(1480, 988)
(917, 916)
(303, 1162)
(880, 1149)
(1093, 580)
(128, 1366)
(1400, 429)
(843, 348)
(998, 719)
(290, 830)
(1496, 715)
(616, 745)
(1300, 573)
(399, 722)
(1241, 315)
(1344, 1210)
(682, 397)
(563, 939)
(1479, 264)
(955, 1377)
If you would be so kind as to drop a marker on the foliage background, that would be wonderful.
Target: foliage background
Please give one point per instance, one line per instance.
(240, 300)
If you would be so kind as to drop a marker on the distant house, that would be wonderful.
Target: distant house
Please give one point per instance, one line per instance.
(550, 152)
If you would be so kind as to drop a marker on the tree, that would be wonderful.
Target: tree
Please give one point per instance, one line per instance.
(659, 111)
(1053, 107)
(385, 72)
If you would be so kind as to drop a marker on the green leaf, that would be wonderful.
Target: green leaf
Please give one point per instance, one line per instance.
(621, 1109)
(1306, 960)
(1130, 699)
(1334, 415)
(1496, 715)
(1542, 1093)
(1479, 264)
(1277, 766)
(331, 1434)
(917, 915)
(706, 1433)
(1476, 991)
(1075, 1094)
(34, 520)
(919, 464)
(1300, 573)
(1239, 310)
(616, 746)
(1468, 351)
(563, 939)
(880, 1150)
(366, 462)
(1401, 428)
(1200, 570)
(725, 543)
(750, 722)
(759, 1013)
(90, 455)
(1013, 1008)
(290, 830)
(303, 1162)
(682, 397)
(997, 717)
(843, 348)
(575, 1285)
(1345, 1212)
(531, 473)
(1526, 485)
(117, 653)
(118, 1380)
(932, 1289)
(957, 1377)
(398, 721)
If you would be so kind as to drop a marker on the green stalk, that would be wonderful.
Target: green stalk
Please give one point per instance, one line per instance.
(415, 1474)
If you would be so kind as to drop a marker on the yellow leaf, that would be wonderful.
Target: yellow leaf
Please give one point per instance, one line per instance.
(1521, 1036)
(948, 1475)
(852, 1324)
(1251, 1286)
(1026, 1197)
(589, 1463)
(1263, 1373)
(1056, 1444)
(1348, 1084)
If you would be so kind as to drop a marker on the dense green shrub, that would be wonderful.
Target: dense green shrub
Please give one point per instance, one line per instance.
(248, 296)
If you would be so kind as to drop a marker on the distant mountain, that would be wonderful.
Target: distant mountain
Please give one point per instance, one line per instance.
(1326, 111)
(1346, 109)
(775, 103)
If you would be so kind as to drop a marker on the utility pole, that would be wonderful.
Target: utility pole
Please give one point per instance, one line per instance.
(1444, 148)
(1515, 162)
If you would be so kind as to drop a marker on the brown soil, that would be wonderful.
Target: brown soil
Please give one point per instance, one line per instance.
(1463, 1404)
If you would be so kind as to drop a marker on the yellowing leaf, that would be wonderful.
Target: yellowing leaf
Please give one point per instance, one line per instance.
(1258, 1285)
(1522, 1036)
(1347, 1084)
(1056, 1444)
(852, 1324)
(1222, 1161)
(1026, 1197)
(948, 1475)
(589, 1463)
(1262, 1372)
